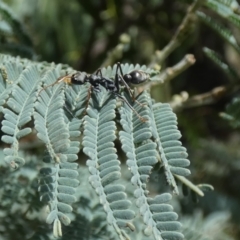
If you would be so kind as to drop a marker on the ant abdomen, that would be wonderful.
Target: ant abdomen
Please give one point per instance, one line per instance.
(136, 77)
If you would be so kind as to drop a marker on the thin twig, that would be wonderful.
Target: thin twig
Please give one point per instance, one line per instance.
(181, 66)
(179, 36)
(202, 99)
(189, 184)
(173, 71)
(206, 98)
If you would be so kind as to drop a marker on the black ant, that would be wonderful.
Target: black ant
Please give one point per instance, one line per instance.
(96, 80)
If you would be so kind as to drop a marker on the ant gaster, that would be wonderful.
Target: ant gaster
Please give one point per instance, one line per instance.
(96, 80)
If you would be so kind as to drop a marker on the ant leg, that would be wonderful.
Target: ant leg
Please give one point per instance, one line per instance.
(88, 98)
(130, 91)
(99, 72)
(120, 68)
(66, 79)
(122, 80)
(117, 83)
(124, 100)
(126, 85)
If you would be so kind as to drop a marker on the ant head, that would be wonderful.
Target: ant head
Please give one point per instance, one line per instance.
(79, 78)
(136, 77)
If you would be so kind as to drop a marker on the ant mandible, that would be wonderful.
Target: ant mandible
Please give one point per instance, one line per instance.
(96, 80)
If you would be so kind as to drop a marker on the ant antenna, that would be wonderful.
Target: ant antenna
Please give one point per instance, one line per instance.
(142, 119)
(66, 79)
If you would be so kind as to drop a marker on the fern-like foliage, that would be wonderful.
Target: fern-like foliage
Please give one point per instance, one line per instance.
(49, 108)
(229, 10)
(232, 114)
(59, 132)
(12, 28)
(142, 156)
(196, 227)
(165, 132)
(163, 218)
(90, 223)
(225, 9)
(141, 153)
(68, 116)
(103, 163)
(216, 58)
(223, 32)
(18, 112)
